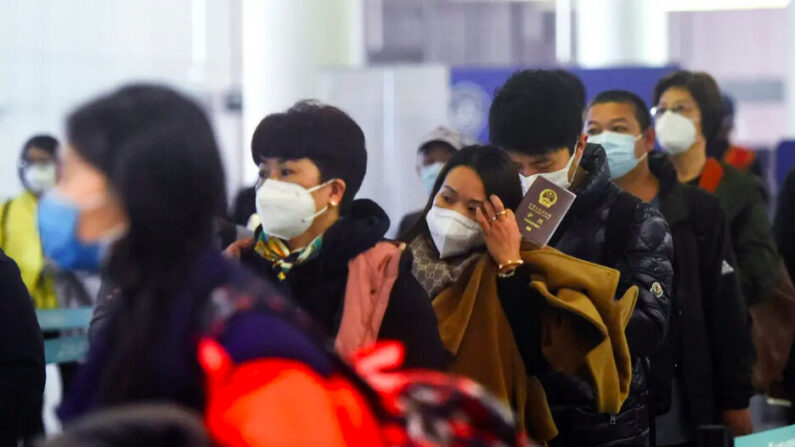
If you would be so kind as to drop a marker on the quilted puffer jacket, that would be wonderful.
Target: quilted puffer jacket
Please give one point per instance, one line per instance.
(646, 261)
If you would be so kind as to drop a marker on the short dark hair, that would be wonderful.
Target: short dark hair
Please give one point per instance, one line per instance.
(705, 92)
(575, 85)
(642, 113)
(537, 111)
(44, 142)
(496, 171)
(322, 133)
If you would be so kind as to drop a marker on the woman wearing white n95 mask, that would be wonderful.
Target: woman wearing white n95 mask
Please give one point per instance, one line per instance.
(325, 250)
(689, 109)
(688, 114)
(486, 288)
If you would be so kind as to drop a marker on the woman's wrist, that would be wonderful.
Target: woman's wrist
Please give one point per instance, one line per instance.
(508, 268)
(509, 265)
(502, 258)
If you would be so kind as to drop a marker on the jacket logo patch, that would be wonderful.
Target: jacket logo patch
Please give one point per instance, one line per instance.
(656, 290)
(726, 268)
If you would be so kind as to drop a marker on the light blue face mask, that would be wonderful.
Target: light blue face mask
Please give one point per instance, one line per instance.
(620, 150)
(429, 173)
(58, 218)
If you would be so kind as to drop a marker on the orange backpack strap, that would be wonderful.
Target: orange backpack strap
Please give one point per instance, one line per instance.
(711, 176)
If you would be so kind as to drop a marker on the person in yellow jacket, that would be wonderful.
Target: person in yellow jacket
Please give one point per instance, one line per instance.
(19, 234)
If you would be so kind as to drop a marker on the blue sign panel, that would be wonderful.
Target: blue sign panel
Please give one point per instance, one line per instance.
(473, 88)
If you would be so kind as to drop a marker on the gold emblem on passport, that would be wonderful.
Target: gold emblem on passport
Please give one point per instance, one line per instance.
(541, 211)
(548, 198)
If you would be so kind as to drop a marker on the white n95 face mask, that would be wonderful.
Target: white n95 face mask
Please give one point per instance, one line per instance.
(286, 209)
(39, 177)
(559, 177)
(453, 233)
(675, 133)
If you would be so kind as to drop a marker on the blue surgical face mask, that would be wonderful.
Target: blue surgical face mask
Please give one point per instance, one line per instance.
(429, 173)
(58, 217)
(620, 150)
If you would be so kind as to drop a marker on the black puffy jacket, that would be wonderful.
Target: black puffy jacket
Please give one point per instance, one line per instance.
(646, 262)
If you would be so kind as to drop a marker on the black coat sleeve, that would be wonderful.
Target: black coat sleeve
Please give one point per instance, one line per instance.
(727, 321)
(410, 318)
(21, 355)
(647, 262)
(521, 306)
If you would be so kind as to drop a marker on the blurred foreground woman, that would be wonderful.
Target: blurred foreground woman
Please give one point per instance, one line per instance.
(142, 181)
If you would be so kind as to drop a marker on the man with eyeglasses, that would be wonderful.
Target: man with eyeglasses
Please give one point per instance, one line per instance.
(702, 373)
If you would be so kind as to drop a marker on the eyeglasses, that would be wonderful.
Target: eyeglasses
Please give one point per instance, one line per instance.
(22, 164)
(679, 109)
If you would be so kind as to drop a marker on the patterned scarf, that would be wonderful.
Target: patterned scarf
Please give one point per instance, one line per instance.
(275, 250)
(434, 274)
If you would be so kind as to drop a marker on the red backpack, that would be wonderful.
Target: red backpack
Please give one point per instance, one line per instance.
(278, 402)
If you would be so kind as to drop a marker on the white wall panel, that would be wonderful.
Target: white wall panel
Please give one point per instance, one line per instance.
(395, 106)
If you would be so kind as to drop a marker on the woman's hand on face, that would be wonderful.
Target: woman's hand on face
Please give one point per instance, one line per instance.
(500, 231)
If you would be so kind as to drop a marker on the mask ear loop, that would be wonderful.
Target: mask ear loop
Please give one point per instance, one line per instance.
(325, 208)
(569, 174)
(645, 154)
(320, 186)
(571, 160)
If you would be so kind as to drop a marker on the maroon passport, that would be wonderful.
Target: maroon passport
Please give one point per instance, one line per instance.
(541, 211)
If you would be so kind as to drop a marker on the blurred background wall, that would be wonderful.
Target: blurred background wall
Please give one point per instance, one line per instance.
(389, 63)
(56, 54)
